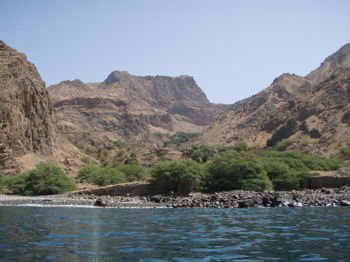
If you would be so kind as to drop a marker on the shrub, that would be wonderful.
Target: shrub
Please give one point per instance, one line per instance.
(161, 152)
(291, 180)
(290, 170)
(281, 175)
(286, 181)
(241, 146)
(304, 143)
(275, 168)
(303, 178)
(108, 176)
(177, 176)
(303, 162)
(76, 144)
(121, 144)
(283, 145)
(345, 151)
(2, 180)
(231, 170)
(16, 184)
(180, 138)
(202, 153)
(86, 160)
(86, 173)
(225, 148)
(101, 176)
(46, 179)
(133, 172)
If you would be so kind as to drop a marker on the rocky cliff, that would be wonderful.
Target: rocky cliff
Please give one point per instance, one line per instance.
(26, 112)
(28, 132)
(131, 108)
(312, 111)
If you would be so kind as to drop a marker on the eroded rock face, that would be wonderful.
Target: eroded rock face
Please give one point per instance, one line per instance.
(26, 112)
(131, 108)
(311, 110)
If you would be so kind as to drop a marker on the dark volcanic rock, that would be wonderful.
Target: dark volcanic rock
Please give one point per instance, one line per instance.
(100, 202)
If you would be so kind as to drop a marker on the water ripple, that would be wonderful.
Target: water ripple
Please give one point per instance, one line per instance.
(158, 235)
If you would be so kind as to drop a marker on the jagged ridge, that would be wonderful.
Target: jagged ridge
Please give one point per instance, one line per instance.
(311, 110)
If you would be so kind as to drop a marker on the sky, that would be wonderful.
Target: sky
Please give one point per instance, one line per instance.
(233, 49)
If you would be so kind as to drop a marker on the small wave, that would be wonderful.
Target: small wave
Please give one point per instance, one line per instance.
(84, 206)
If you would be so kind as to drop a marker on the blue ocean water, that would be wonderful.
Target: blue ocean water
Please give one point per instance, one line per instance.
(98, 234)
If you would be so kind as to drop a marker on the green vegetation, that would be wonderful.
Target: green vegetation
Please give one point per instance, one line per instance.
(227, 168)
(133, 172)
(176, 176)
(233, 170)
(46, 179)
(240, 147)
(108, 175)
(283, 177)
(283, 145)
(272, 170)
(289, 170)
(101, 176)
(76, 144)
(302, 162)
(345, 151)
(202, 153)
(2, 180)
(121, 145)
(179, 138)
(161, 152)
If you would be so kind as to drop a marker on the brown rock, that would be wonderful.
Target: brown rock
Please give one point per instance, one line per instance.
(26, 112)
(311, 110)
(28, 132)
(131, 108)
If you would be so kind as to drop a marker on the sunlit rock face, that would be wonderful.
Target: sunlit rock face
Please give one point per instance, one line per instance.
(312, 111)
(26, 112)
(131, 108)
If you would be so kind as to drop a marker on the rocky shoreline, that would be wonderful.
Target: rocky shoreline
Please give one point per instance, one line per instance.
(231, 199)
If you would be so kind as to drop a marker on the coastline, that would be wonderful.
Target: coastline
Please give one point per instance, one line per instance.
(230, 199)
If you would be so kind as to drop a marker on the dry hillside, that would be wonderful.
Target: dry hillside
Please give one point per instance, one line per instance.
(312, 112)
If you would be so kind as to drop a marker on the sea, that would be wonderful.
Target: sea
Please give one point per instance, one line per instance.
(34, 233)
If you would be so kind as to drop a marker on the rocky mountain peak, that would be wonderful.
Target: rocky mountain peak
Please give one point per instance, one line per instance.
(336, 62)
(285, 77)
(68, 89)
(75, 82)
(313, 111)
(133, 108)
(116, 76)
(342, 56)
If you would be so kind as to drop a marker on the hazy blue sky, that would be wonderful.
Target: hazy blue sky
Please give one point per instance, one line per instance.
(233, 49)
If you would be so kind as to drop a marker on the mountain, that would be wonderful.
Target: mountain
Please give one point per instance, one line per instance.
(131, 108)
(313, 112)
(28, 132)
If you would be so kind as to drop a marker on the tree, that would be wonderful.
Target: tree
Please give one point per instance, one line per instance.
(133, 172)
(202, 153)
(101, 176)
(177, 176)
(46, 179)
(231, 170)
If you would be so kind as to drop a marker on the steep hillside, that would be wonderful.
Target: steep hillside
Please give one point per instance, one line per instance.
(27, 121)
(333, 64)
(131, 108)
(312, 111)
